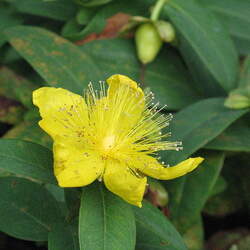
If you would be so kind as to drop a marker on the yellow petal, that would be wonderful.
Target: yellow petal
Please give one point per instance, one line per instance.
(125, 103)
(151, 167)
(121, 181)
(63, 112)
(75, 167)
(116, 81)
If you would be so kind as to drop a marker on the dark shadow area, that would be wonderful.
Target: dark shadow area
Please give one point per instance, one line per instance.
(213, 225)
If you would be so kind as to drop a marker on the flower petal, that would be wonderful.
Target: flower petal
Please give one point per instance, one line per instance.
(117, 81)
(126, 95)
(63, 112)
(75, 167)
(151, 167)
(121, 181)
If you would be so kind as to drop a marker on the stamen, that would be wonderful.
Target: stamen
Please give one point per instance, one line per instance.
(134, 119)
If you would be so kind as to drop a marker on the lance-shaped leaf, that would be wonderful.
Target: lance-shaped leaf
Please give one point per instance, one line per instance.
(154, 231)
(205, 45)
(105, 222)
(235, 15)
(58, 10)
(234, 138)
(27, 160)
(59, 62)
(27, 210)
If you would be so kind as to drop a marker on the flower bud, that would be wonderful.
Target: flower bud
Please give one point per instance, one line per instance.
(148, 42)
(238, 99)
(157, 193)
(166, 31)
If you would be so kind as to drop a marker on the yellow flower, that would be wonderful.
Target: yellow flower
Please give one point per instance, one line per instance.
(110, 134)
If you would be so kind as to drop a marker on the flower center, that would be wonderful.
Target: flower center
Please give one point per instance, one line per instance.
(108, 144)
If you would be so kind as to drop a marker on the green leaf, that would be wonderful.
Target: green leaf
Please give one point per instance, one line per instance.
(84, 15)
(57, 192)
(64, 236)
(7, 19)
(166, 77)
(72, 198)
(235, 15)
(189, 193)
(154, 231)
(198, 124)
(30, 131)
(16, 87)
(205, 46)
(72, 30)
(59, 10)
(27, 160)
(27, 210)
(59, 62)
(105, 222)
(235, 138)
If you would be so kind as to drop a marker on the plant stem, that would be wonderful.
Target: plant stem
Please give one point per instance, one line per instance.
(157, 9)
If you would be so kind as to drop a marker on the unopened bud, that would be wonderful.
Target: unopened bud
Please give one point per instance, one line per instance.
(238, 99)
(148, 42)
(165, 30)
(158, 194)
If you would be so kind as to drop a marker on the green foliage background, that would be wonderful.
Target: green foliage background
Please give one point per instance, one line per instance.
(194, 77)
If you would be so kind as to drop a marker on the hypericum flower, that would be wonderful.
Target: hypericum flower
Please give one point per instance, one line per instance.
(108, 135)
